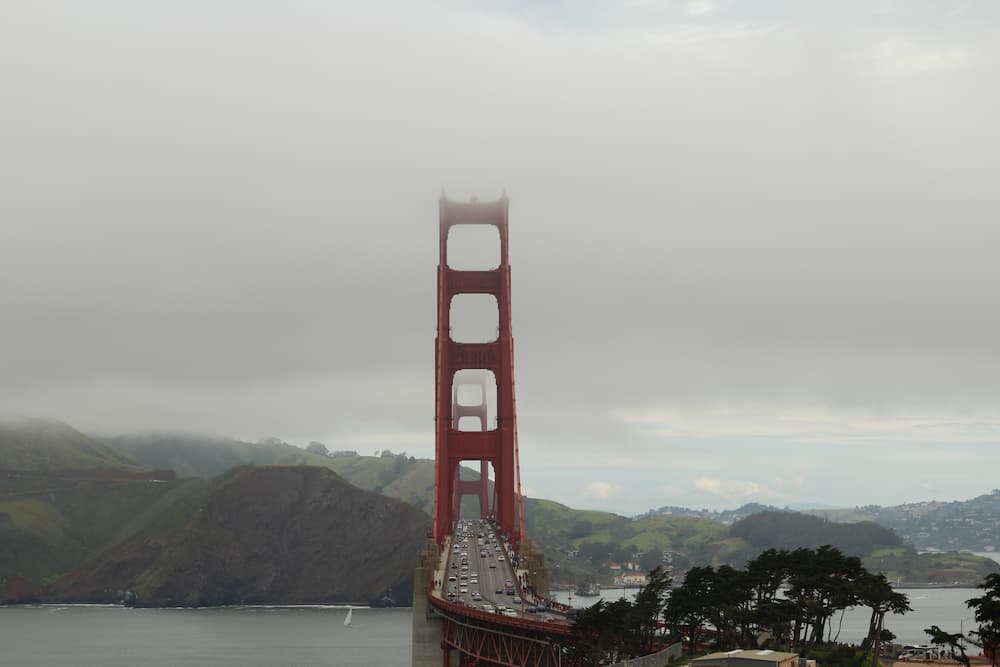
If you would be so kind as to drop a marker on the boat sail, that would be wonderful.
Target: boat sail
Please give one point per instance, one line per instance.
(347, 620)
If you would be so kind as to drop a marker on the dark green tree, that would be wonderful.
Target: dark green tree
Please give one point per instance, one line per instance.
(647, 610)
(986, 610)
(596, 552)
(687, 607)
(652, 559)
(728, 604)
(317, 448)
(600, 634)
(770, 616)
(875, 592)
(951, 641)
(820, 583)
(608, 632)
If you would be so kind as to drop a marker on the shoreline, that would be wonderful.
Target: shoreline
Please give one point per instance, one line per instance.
(898, 587)
(118, 605)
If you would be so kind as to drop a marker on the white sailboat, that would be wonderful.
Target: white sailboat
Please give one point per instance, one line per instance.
(347, 619)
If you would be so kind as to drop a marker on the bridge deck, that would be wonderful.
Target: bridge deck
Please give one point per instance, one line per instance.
(491, 565)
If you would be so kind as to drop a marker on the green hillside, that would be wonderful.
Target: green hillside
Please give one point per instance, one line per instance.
(264, 534)
(971, 525)
(51, 525)
(394, 475)
(557, 526)
(51, 522)
(577, 543)
(46, 446)
(206, 456)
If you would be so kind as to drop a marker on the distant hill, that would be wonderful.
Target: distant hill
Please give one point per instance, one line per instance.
(46, 446)
(66, 497)
(961, 525)
(52, 522)
(972, 525)
(395, 475)
(791, 530)
(579, 542)
(194, 455)
(49, 525)
(583, 543)
(725, 517)
(589, 543)
(276, 534)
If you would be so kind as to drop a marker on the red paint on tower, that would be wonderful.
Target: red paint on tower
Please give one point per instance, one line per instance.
(499, 446)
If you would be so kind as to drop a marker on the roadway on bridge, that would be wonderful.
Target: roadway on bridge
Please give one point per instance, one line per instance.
(480, 562)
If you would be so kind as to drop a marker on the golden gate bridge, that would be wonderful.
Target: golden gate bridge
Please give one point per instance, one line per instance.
(480, 588)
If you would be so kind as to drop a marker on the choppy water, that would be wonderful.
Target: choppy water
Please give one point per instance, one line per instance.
(98, 636)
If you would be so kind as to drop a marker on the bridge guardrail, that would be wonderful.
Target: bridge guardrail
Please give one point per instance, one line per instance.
(523, 623)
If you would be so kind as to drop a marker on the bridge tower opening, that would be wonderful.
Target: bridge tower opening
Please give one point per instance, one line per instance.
(471, 414)
(463, 429)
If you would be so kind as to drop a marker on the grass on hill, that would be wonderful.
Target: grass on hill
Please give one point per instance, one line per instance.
(397, 476)
(57, 525)
(44, 446)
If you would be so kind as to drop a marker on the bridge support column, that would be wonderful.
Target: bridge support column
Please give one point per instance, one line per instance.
(533, 560)
(427, 650)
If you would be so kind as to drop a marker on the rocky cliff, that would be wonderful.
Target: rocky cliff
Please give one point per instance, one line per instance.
(275, 535)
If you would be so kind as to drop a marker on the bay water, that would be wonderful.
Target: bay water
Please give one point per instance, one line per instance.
(110, 636)
(311, 636)
(99, 636)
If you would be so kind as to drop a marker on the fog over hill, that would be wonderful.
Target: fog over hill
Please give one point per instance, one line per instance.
(275, 535)
(56, 518)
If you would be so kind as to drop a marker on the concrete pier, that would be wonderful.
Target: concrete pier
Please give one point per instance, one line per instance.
(426, 650)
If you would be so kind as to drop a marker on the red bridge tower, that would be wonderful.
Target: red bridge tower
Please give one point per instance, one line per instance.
(495, 444)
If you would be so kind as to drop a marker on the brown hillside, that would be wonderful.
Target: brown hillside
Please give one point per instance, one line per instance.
(275, 535)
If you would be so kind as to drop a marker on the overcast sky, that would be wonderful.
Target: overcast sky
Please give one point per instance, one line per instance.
(753, 244)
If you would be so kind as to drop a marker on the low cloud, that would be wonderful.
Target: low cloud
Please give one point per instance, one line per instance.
(232, 259)
(700, 7)
(733, 489)
(901, 56)
(602, 490)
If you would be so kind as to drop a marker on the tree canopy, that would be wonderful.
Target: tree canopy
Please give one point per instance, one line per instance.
(986, 609)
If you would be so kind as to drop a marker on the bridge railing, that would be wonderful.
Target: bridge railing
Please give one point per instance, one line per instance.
(548, 627)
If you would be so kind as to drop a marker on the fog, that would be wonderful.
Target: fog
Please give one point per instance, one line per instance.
(750, 246)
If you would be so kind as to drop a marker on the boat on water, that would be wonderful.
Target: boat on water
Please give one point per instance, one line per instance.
(588, 589)
(347, 619)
